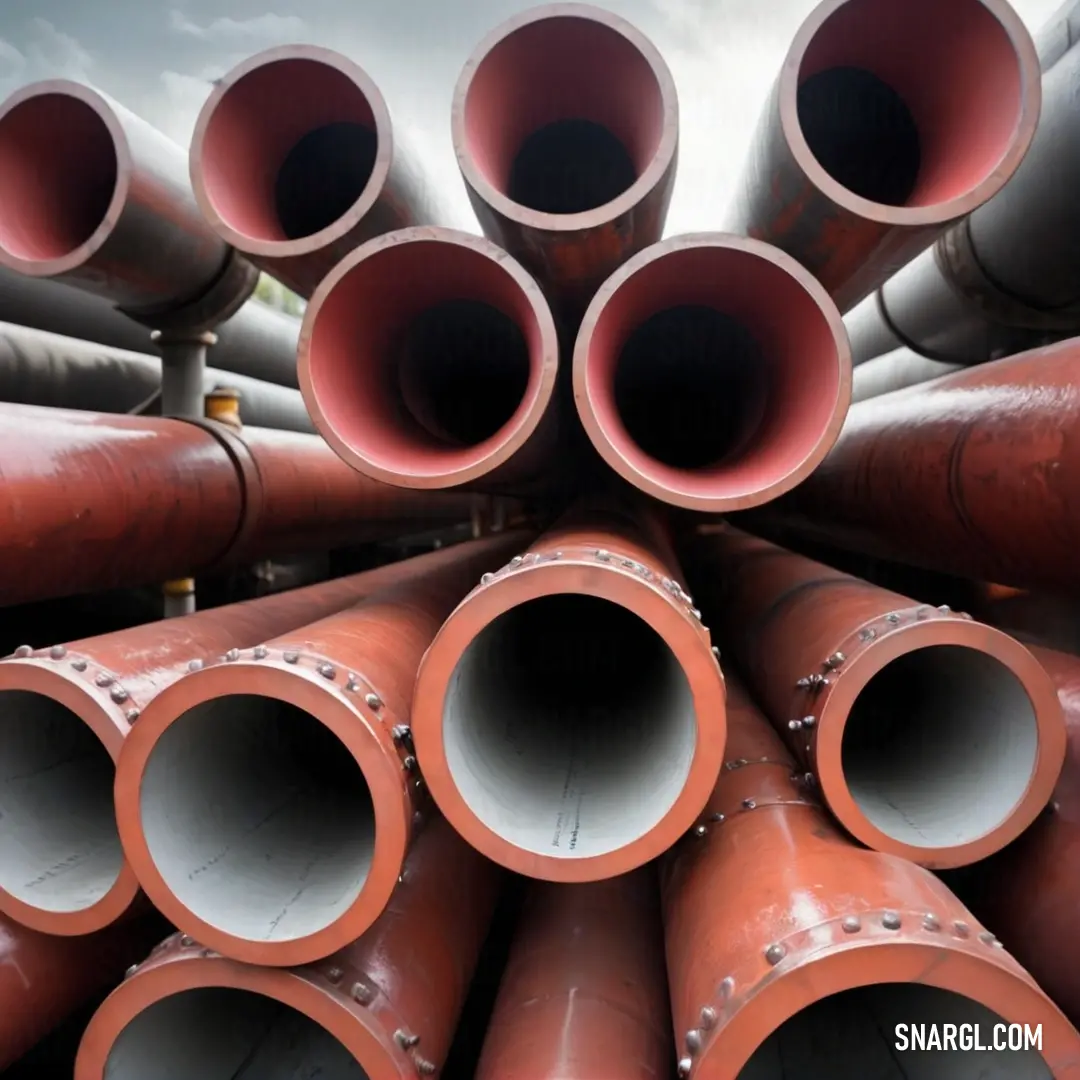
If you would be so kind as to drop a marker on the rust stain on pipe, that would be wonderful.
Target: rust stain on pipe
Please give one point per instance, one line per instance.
(890, 121)
(898, 711)
(779, 929)
(569, 717)
(303, 749)
(584, 991)
(383, 1008)
(565, 124)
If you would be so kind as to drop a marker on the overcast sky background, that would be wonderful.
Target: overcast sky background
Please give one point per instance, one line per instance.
(158, 59)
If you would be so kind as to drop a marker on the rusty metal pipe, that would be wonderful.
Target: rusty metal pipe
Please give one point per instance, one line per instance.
(815, 934)
(383, 1008)
(302, 747)
(899, 711)
(896, 370)
(890, 121)
(569, 717)
(712, 372)
(583, 994)
(565, 124)
(428, 359)
(294, 163)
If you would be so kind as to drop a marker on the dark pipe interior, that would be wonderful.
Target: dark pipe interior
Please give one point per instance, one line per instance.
(862, 133)
(690, 386)
(569, 167)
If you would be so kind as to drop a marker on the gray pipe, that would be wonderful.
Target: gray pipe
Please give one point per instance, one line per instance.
(895, 371)
(1058, 34)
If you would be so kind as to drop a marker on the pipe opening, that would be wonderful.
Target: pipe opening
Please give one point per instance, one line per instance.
(221, 1033)
(853, 1035)
(258, 818)
(288, 149)
(569, 726)
(59, 845)
(58, 175)
(910, 102)
(940, 746)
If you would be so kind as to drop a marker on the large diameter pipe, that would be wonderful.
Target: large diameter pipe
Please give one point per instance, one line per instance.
(890, 121)
(428, 359)
(92, 195)
(816, 935)
(569, 717)
(896, 370)
(566, 126)
(1056, 37)
(267, 801)
(898, 711)
(975, 474)
(712, 372)
(584, 991)
(294, 163)
(383, 1008)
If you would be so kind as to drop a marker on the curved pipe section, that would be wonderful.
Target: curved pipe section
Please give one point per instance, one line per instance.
(890, 121)
(383, 1008)
(267, 801)
(566, 125)
(428, 359)
(895, 371)
(817, 934)
(294, 162)
(712, 372)
(899, 711)
(569, 716)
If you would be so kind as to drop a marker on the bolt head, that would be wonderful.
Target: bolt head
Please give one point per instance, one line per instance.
(890, 920)
(118, 694)
(836, 660)
(292, 658)
(716, 651)
(708, 1017)
(987, 938)
(852, 924)
(409, 763)
(79, 664)
(775, 953)
(795, 725)
(194, 665)
(373, 701)
(362, 994)
(104, 680)
(749, 804)
(327, 671)
(131, 971)
(58, 652)
(424, 1067)
(809, 721)
(685, 1065)
(693, 1040)
(930, 922)
(961, 929)
(232, 655)
(802, 684)
(487, 579)
(727, 988)
(260, 652)
(334, 974)
(131, 715)
(23, 651)
(718, 818)
(945, 609)
(701, 831)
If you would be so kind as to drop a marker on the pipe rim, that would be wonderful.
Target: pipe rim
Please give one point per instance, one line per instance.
(355, 726)
(600, 434)
(616, 586)
(125, 166)
(651, 176)
(373, 189)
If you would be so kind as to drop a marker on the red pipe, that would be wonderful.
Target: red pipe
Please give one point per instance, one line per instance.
(890, 121)
(569, 717)
(383, 1008)
(428, 359)
(294, 162)
(583, 995)
(899, 711)
(788, 944)
(713, 372)
(266, 802)
(566, 126)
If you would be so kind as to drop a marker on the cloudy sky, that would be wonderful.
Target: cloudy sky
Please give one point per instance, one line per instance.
(157, 58)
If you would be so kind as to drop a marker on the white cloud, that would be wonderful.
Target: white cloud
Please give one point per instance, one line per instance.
(262, 28)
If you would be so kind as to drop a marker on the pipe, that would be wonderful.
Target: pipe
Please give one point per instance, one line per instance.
(897, 370)
(64, 714)
(303, 750)
(569, 716)
(899, 711)
(973, 474)
(890, 121)
(294, 163)
(583, 994)
(93, 501)
(565, 124)
(92, 195)
(692, 368)
(1058, 34)
(384, 1008)
(820, 951)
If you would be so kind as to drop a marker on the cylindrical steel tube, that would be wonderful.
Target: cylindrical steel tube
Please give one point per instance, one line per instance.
(294, 162)
(890, 121)
(584, 991)
(569, 717)
(792, 950)
(1058, 34)
(383, 1008)
(428, 359)
(267, 801)
(566, 126)
(895, 371)
(899, 711)
(712, 372)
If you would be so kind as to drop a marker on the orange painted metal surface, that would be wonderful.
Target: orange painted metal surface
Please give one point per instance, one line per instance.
(391, 999)
(769, 909)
